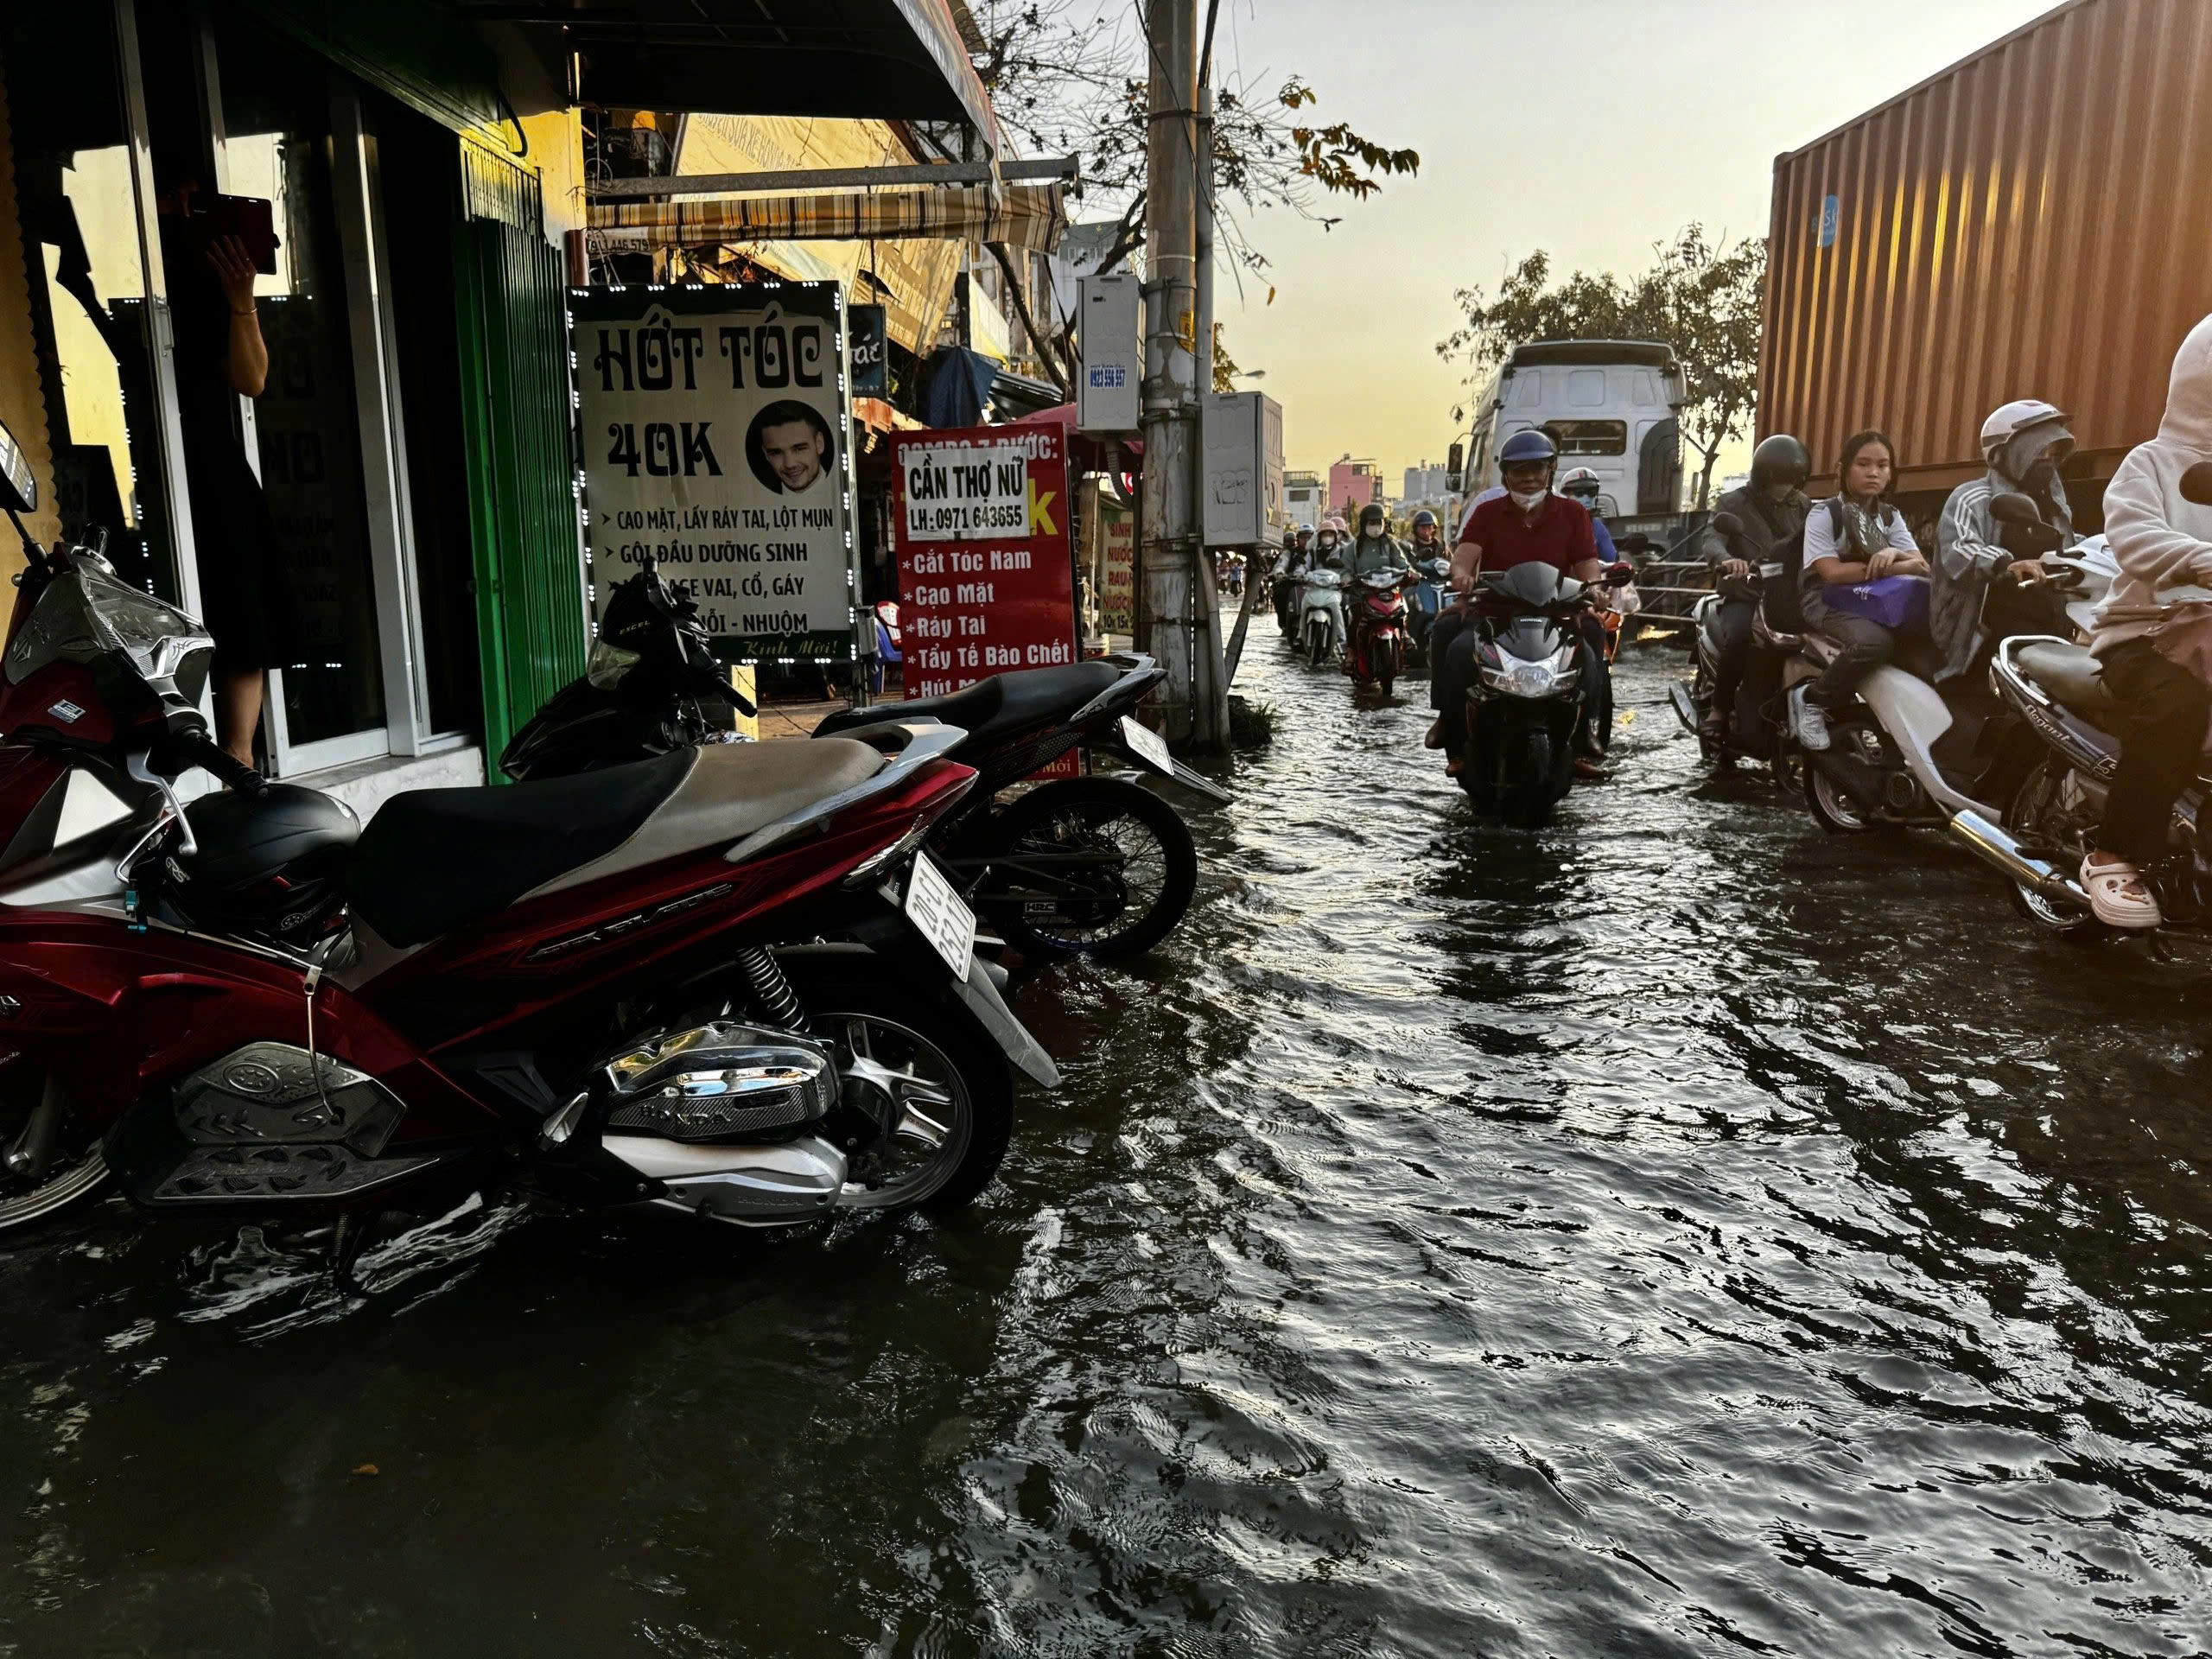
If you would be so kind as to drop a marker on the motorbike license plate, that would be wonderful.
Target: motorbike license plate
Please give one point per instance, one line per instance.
(1147, 746)
(941, 914)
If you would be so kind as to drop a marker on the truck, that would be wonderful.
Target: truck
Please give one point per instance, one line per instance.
(1611, 405)
(2027, 222)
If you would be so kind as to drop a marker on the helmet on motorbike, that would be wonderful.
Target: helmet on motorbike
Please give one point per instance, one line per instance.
(1372, 518)
(1424, 519)
(2022, 432)
(1583, 484)
(1531, 444)
(1778, 460)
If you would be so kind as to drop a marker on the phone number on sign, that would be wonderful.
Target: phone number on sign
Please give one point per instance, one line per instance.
(1006, 515)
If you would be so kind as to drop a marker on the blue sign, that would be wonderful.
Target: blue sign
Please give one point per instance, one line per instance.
(1831, 217)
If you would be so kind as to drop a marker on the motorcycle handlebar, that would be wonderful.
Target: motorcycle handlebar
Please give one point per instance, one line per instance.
(179, 752)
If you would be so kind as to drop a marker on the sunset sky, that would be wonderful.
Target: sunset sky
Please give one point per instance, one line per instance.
(1592, 128)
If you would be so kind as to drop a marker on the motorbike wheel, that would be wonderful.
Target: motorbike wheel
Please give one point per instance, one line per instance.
(76, 1171)
(1832, 809)
(947, 1075)
(1527, 801)
(1144, 873)
(1317, 647)
(2034, 815)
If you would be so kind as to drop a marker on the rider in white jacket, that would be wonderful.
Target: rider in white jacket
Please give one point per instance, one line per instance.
(2163, 545)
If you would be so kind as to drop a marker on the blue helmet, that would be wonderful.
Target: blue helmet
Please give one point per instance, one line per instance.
(1524, 447)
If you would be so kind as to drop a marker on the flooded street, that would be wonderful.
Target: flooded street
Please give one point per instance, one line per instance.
(1673, 1233)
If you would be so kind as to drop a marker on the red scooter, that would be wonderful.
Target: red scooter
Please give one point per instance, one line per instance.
(720, 981)
(1377, 653)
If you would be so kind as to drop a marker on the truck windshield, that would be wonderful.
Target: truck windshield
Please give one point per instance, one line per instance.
(1589, 437)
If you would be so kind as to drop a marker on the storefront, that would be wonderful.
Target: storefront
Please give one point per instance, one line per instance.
(410, 452)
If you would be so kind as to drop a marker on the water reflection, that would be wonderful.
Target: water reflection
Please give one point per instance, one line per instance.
(1671, 1231)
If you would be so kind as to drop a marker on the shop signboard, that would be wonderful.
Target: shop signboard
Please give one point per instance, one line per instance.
(979, 517)
(717, 440)
(871, 351)
(1117, 566)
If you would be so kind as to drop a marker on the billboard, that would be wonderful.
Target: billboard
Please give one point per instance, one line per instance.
(716, 436)
(986, 576)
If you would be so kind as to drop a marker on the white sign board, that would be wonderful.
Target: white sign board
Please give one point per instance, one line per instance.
(1109, 382)
(1244, 494)
(717, 442)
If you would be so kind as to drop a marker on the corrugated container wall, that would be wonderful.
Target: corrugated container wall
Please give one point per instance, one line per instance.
(2030, 223)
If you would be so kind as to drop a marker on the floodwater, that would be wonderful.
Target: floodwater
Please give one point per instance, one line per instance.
(1673, 1232)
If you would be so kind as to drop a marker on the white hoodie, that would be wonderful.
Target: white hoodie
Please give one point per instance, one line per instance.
(2162, 543)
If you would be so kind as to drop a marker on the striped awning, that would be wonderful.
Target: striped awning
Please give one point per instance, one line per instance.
(1029, 216)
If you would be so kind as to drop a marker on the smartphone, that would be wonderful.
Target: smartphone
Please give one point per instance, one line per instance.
(247, 218)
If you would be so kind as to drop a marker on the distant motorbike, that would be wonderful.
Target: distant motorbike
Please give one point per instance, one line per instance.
(1377, 655)
(1754, 724)
(1289, 589)
(1321, 615)
(1425, 600)
(1528, 700)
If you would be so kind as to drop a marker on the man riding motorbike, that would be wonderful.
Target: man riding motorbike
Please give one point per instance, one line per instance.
(1583, 484)
(1428, 536)
(2152, 643)
(1528, 522)
(1771, 508)
(1976, 599)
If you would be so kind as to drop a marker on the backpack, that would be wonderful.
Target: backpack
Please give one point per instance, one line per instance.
(1780, 596)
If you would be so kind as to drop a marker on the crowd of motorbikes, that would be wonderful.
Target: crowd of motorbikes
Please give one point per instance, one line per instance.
(2013, 759)
(756, 983)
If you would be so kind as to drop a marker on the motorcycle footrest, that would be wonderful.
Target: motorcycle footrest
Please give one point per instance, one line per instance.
(255, 1174)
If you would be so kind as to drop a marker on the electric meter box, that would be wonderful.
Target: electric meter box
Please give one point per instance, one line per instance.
(1244, 499)
(1108, 391)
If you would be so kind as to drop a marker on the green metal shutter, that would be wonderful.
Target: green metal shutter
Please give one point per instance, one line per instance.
(510, 289)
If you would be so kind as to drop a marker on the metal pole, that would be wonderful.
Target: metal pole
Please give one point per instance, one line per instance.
(1169, 527)
(1210, 686)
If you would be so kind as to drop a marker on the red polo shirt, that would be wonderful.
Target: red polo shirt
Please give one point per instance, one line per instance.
(1561, 535)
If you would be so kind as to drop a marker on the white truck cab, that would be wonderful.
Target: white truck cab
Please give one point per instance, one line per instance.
(1610, 405)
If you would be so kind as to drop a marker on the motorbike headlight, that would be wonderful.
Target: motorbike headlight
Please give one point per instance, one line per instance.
(1519, 679)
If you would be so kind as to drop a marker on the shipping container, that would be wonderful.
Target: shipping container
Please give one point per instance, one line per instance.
(2032, 222)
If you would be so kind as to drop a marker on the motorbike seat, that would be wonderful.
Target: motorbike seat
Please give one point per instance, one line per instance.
(990, 709)
(2069, 674)
(435, 860)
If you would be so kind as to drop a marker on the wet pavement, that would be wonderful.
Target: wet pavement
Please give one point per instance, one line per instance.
(1673, 1232)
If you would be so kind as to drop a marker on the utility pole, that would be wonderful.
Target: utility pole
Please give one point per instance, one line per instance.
(1210, 689)
(1170, 533)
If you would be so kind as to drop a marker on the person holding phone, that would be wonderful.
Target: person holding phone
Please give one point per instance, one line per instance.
(246, 598)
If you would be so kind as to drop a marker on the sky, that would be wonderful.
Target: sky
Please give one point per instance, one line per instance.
(1589, 128)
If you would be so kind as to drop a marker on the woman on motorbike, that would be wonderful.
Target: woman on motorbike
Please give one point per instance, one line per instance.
(1855, 538)
(2153, 641)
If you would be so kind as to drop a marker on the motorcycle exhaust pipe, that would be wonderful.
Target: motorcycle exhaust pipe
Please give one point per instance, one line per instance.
(1996, 847)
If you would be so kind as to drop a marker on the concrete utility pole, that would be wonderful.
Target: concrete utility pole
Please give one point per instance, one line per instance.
(1170, 552)
(1210, 689)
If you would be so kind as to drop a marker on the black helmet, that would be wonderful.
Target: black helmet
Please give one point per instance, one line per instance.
(1424, 519)
(1533, 444)
(1778, 459)
(1372, 513)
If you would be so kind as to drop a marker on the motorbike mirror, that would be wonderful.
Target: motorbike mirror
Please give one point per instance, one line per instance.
(2013, 508)
(1727, 524)
(1635, 541)
(1455, 465)
(2196, 484)
(18, 489)
(1620, 576)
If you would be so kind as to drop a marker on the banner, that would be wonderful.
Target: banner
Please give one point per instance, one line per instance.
(980, 518)
(717, 441)
(1117, 565)
(871, 350)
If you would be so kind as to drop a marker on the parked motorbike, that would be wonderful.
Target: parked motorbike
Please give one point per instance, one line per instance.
(2049, 819)
(1321, 615)
(1093, 866)
(1528, 700)
(722, 981)
(1377, 654)
(1425, 601)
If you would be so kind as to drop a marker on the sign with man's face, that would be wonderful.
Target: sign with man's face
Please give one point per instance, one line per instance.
(715, 438)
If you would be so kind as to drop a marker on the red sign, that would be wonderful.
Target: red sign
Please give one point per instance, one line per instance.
(979, 518)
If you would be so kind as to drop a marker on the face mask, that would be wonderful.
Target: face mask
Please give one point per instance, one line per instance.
(1528, 501)
(2042, 478)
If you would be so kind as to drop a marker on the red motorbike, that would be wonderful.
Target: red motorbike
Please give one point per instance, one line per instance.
(1377, 652)
(722, 981)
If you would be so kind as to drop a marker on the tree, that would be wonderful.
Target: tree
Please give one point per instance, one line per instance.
(1067, 78)
(1703, 298)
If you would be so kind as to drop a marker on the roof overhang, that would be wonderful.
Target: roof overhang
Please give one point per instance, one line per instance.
(886, 60)
(1018, 216)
